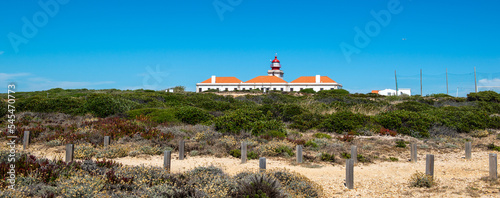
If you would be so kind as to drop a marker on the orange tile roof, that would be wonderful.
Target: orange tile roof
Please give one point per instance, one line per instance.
(223, 80)
(266, 79)
(312, 79)
(375, 91)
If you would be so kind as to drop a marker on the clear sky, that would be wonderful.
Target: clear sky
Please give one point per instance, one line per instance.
(160, 44)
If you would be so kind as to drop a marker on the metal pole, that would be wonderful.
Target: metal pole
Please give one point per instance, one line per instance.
(447, 81)
(396, 78)
(475, 79)
(421, 83)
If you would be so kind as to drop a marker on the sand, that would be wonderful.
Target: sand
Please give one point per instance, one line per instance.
(456, 176)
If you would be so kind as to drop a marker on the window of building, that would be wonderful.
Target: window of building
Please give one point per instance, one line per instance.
(291, 89)
(243, 89)
(250, 89)
(274, 89)
(208, 88)
(267, 89)
(226, 89)
(301, 89)
(217, 89)
(281, 89)
(199, 89)
(321, 89)
(331, 88)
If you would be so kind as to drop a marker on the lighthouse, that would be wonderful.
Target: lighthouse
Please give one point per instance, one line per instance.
(275, 68)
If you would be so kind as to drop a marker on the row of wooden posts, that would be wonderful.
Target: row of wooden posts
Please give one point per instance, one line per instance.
(429, 165)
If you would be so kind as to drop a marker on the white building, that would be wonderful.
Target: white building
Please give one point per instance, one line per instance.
(273, 81)
(392, 92)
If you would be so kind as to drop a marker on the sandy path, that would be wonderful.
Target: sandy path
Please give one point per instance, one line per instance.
(456, 176)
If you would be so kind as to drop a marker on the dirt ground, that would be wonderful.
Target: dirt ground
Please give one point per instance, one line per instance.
(456, 176)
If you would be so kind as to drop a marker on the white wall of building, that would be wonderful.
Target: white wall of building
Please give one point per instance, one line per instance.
(392, 92)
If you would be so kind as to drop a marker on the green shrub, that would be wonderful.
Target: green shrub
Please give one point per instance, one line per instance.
(400, 144)
(311, 143)
(343, 121)
(235, 153)
(113, 151)
(488, 96)
(420, 180)
(308, 90)
(275, 134)
(247, 120)
(407, 122)
(322, 135)
(259, 186)
(192, 115)
(413, 106)
(85, 151)
(493, 147)
(346, 155)
(393, 159)
(252, 155)
(296, 185)
(327, 157)
(156, 115)
(3, 108)
(306, 121)
(330, 93)
(103, 105)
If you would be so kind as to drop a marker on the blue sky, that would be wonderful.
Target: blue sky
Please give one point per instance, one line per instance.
(160, 44)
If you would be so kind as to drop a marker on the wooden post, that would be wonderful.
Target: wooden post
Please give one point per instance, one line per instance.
(181, 150)
(299, 153)
(429, 165)
(493, 166)
(166, 160)
(468, 150)
(262, 164)
(349, 173)
(243, 152)
(70, 148)
(414, 152)
(106, 141)
(26, 140)
(354, 154)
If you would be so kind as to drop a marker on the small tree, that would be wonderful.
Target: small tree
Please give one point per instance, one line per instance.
(179, 89)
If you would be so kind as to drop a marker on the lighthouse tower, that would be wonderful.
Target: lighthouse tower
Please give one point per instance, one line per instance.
(275, 68)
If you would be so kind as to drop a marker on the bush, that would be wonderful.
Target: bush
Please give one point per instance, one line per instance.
(330, 93)
(247, 120)
(420, 180)
(406, 122)
(3, 108)
(192, 115)
(103, 105)
(113, 151)
(259, 186)
(413, 106)
(322, 135)
(235, 153)
(155, 115)
(311, 143)
(252, 155)
(327, 157)
(393, 159)
(306, 121)
(296, 185)
(488, 96)
(343, 121)
(275, 148)
(85, 151)
(400, 144)
(308, 90)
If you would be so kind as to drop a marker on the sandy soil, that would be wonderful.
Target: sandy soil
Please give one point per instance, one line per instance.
(456, 176)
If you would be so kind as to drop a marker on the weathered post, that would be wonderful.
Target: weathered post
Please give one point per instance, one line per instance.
(299, 153)
(166, 160)
(243, 152)
(354, 154)
(262, 164)
(414, 152)
(26, 140)
(69, 152)
(181, 150)
(106, 141)
(349, 173)
(493, 166)
(468, 150)
(429, 165)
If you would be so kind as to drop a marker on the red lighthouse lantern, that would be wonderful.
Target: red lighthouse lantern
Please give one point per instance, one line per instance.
(275, 64)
